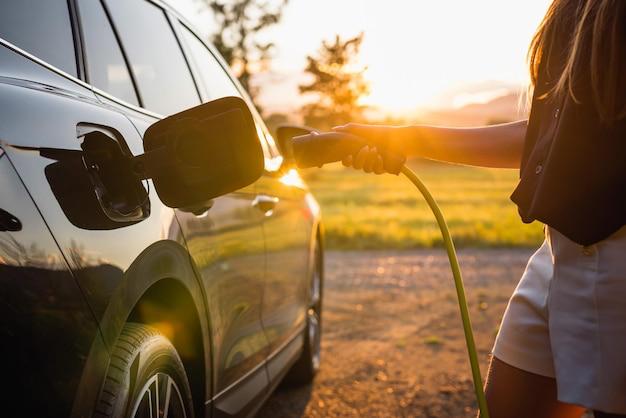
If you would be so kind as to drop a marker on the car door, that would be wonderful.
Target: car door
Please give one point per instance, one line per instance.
(287, 230)
(224, 236)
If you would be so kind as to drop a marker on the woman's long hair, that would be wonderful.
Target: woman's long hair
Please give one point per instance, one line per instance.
(590, 36)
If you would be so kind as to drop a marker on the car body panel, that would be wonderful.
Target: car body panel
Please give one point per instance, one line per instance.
(287, 230)
(46, 326)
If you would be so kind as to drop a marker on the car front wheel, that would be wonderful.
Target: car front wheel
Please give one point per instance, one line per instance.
(145, 378)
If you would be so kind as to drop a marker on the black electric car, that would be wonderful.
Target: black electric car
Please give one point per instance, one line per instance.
(158, 256)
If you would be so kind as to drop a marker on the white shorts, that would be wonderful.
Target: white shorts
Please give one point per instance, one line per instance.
(567, 320)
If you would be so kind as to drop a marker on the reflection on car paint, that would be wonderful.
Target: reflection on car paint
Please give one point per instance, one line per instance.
(287, 236)
(45, 325)
(226, 245)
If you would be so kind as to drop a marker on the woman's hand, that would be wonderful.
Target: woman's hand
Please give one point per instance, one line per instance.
(370, 158)
(366, 159)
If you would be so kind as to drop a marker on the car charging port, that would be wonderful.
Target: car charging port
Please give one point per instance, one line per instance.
(117, 186)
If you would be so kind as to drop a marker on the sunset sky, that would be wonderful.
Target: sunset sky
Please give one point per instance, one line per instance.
(419, 54)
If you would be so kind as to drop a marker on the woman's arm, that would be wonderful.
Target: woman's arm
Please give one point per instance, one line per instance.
(497, 146)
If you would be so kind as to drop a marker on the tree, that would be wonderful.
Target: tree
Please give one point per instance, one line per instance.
(239, 23)
(337, 82)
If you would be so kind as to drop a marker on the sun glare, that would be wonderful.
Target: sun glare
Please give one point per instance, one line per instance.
(424, 54)
(292, 178)
(418, 54)
(400, 94)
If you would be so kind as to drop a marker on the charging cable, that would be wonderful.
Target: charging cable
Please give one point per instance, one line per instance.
(460, 289)
(317, 149)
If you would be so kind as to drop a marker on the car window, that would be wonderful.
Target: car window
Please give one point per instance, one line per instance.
(214, 80)
(41, 28)
(157, 62)
(106, 68)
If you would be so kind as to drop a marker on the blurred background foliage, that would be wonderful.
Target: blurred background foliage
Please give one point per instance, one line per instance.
(337, 84)
(365, 211)
(238, 24)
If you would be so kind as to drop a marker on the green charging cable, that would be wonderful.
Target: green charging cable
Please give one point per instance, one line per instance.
(315, 149)
(460, 290)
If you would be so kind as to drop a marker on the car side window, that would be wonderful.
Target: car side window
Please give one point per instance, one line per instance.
(106, 68)
(215, 82)
(42, 28)
(163, 78)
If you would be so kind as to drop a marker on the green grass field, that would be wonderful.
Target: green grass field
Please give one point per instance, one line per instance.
(363, 211)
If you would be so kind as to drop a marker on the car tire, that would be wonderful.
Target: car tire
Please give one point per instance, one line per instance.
(306, 367)
(145, 378)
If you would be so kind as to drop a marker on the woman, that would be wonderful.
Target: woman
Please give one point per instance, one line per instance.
(562, 343)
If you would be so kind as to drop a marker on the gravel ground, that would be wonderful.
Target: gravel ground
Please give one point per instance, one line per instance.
(393, 344)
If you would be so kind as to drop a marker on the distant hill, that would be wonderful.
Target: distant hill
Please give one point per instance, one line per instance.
(501, 109)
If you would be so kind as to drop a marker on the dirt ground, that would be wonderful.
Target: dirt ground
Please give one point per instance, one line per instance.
(393, 345)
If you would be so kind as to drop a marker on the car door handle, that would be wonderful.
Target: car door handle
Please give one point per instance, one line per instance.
(265, 204)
